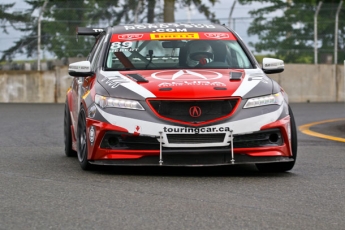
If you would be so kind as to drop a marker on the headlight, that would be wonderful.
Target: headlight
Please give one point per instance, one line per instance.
(104, 102)
(273, 99)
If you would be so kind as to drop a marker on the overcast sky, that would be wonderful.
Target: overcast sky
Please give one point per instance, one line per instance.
(222, 9)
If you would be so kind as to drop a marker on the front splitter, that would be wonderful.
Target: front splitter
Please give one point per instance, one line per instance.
(193, 160)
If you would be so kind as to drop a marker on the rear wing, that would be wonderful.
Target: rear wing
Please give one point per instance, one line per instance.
(84, 31)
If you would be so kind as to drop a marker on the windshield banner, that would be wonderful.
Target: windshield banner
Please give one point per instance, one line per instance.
(172, 36)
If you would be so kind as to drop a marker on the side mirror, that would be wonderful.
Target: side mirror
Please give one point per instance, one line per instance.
(272, 65)
(80, 69)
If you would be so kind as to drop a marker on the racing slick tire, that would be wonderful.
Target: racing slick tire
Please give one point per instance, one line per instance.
(69, 152)
(283, 166)
(82, 140)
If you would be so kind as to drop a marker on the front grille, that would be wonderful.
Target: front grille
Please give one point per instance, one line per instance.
(195, 138)
(181, 110)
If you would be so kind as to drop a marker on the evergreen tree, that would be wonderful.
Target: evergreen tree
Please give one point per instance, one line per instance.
(58, 26)
(290, 35)
(11, 18)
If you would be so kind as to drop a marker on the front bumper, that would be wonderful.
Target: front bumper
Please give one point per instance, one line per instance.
(256, 147)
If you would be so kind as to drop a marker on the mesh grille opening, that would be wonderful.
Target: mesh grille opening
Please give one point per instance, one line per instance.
(183, 110)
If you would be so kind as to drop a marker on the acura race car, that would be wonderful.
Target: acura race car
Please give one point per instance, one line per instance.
(176, 94)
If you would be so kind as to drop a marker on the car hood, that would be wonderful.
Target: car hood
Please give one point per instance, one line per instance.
(189, 83)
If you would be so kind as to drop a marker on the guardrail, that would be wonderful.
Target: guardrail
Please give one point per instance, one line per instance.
(303, 83)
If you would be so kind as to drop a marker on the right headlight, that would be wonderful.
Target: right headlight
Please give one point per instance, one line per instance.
(273, 99)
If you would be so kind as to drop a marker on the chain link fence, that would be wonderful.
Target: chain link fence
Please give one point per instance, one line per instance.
(240, 20)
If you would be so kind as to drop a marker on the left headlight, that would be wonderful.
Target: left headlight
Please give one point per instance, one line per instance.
(273, 99)
(105, 102)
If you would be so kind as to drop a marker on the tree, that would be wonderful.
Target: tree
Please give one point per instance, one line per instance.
(290, 35)
(11, 18)
(151, 10)
(58, 29)
(61, 17)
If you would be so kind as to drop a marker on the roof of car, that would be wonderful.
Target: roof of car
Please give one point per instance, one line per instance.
(168, 27)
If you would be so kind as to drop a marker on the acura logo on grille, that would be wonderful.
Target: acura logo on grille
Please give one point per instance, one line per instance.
(195, 111)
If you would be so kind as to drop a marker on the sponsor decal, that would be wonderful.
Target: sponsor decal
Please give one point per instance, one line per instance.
(170, 30)
(123, 50)
(112, 84)
(168, 27)
(217, 35)
(192, 130)
(113, 81)
(130, 36)
(169, 36)
(122, 46)
(258, 78)
(274, 64)
(137, 130)
(191, 83)
(186, 75)
(195, 111)
(79, 67)
(98, 30)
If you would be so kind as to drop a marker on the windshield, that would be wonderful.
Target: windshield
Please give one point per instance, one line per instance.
(162, 53)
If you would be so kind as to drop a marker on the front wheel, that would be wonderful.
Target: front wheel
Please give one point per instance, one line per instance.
(283, 166)
(68, 133)
(82, 150)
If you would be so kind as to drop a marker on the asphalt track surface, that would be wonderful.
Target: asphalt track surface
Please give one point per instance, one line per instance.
(40, 188)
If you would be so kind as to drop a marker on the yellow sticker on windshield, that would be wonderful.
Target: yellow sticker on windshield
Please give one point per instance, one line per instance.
(170, 36)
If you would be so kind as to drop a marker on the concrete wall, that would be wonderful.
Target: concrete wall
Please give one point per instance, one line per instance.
(314, 83)
(34, 86)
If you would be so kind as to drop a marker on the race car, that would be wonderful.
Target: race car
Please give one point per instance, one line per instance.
(175, 94)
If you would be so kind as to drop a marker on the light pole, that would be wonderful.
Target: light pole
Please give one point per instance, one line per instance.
(39, 36)
(315, 32)
(136, 15)
(336, 33)
(230, 14)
